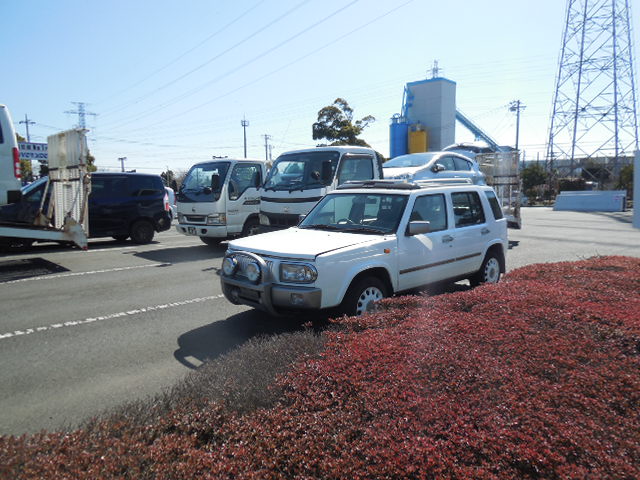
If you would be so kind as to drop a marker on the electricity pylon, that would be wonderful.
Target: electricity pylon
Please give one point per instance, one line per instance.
(594, 108)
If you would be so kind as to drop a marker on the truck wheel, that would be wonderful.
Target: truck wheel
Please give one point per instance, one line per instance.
(489, 271)
(362, 296)
(142, 232)
(211, 241)
(251, 227)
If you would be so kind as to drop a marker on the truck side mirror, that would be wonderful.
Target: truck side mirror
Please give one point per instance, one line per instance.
(215, 182)
(14, 196)
(327, 172)
(418, 227)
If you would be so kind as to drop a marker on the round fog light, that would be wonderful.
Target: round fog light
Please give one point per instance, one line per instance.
(229, 266)
(252, 271)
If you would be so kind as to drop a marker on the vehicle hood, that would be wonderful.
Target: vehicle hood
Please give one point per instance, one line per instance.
(300, 243)
(400, 171)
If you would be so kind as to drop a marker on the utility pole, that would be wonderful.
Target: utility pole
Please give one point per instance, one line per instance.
(516, 106)
(82, 113)
(266, 146)
(121, 160)
(27, 122)
(245, 123)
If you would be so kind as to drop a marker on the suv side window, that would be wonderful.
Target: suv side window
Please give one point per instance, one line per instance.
(243, 176)
(467, 209)
(431, 208)
(495, 205)
(355, 169)
(462, 164)
(145, 185)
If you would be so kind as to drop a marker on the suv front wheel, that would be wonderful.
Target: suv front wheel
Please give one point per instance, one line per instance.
(142, 232)
(362, 296)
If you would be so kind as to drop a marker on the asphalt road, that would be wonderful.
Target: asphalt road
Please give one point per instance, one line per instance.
(81, 332)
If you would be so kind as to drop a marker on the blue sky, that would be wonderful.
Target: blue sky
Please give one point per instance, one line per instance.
(171, 81)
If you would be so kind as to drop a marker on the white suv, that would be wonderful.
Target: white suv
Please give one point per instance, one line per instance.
(369, 240)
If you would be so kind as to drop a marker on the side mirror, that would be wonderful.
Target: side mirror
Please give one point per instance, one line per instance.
(215, 182)
(438, 167)
(327, 172)
(418, 227)
(301, 218)
(14, 196)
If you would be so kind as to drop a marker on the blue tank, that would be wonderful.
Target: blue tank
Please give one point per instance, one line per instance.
(399, 136)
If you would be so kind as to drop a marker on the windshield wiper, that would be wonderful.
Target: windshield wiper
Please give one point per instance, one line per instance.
(323, 226)
(363, 229)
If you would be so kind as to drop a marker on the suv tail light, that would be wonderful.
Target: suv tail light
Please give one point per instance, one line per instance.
(17, 170)
(166, 203)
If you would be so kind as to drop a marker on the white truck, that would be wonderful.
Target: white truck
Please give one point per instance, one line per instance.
(10, 174)
(68, 183)
(219, 199)
(368, 240)
(299, 178)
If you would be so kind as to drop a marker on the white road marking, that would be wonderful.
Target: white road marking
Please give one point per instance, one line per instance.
(79, 274)
(74, 323)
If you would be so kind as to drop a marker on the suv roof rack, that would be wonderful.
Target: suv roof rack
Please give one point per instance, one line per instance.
(439, 182)
(391, 184)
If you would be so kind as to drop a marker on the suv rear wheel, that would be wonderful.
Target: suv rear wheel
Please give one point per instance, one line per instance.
(489, 271)
(142, 232)
(362, 296)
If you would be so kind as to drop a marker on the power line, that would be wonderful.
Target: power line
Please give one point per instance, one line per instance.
(184, 54)
(202, 65)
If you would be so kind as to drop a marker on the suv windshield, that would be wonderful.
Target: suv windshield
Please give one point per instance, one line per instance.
(377, 213)
(296, 171)
(412, 160)
(196, 186)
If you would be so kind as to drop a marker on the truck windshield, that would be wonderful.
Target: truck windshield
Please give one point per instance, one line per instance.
(376, 213)
(196, 186)
(296, 171)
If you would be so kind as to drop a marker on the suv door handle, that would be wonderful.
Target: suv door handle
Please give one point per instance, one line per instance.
(447, 239)
(485, 230)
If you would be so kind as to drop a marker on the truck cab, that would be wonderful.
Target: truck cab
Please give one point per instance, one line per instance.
(299, 178)
(219, 199)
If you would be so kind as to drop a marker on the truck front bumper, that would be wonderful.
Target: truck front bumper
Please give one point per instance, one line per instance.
(217, 231)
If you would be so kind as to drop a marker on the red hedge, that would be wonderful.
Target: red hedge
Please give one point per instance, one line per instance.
(536, 377)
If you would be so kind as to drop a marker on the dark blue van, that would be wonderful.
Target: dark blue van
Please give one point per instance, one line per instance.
(121, 205)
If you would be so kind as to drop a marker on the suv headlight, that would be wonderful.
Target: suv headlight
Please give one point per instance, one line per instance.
(297, 273)
(217, 219)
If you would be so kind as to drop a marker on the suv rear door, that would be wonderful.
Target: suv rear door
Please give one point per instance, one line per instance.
(470, 231)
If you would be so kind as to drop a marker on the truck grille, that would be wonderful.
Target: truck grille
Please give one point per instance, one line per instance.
(195, 218)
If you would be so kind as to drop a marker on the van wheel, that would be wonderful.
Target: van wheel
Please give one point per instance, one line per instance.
(251, 227)
(142, 232)
(489, 271)
(362, 296)
(211, 241)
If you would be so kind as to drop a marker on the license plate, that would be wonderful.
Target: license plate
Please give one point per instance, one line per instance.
(192, 230)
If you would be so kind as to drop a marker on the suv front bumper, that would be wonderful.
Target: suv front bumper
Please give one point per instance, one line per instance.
(267, 295)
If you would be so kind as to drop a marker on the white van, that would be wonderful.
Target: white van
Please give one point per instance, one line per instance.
(219, 199)
(10, 174)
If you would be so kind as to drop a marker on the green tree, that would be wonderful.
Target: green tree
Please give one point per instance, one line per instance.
(626, 180)
(25, 165)
(532, 176)
(335, 124)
